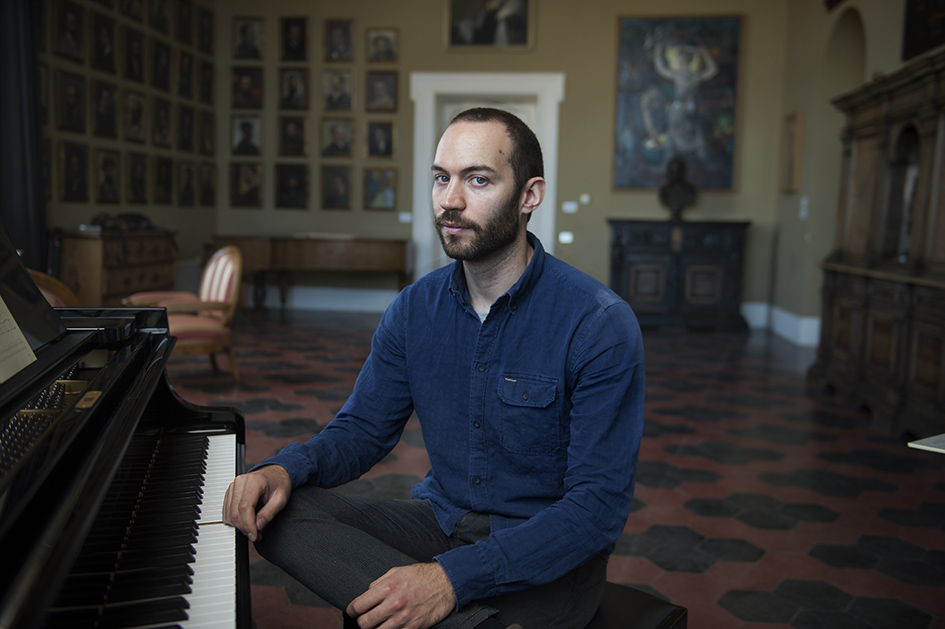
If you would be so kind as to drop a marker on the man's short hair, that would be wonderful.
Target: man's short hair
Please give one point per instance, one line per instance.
(526, 151)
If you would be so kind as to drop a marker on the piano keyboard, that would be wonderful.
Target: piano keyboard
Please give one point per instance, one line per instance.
(159, 554)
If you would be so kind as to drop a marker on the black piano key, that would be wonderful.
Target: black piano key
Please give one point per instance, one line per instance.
(139, 613)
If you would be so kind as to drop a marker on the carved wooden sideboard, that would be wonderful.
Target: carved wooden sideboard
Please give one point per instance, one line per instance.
(882, 344)
(681, 274)
(101, 267)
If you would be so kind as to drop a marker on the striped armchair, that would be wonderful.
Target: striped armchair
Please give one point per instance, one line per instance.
(201, 322)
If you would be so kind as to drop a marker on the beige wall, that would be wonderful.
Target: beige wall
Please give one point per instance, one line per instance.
(827, 54)
(783, 50)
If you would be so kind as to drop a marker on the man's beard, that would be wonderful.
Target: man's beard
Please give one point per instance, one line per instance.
(499, 232)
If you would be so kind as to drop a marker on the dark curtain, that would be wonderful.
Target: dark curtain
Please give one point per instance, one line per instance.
(22, 197)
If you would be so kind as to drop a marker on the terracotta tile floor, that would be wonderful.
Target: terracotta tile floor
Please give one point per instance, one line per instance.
(760, 503)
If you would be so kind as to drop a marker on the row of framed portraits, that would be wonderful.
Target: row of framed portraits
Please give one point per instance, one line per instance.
(296, 43)
(295, 91)
(139, 179)
(336, 137)
(293, 187)
(112, 113)
(125, 49)
(133, 178)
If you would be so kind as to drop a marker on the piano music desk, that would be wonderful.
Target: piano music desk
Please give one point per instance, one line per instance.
(315, 252)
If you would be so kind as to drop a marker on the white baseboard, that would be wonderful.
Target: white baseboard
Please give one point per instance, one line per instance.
(801, 331)
(321, 298)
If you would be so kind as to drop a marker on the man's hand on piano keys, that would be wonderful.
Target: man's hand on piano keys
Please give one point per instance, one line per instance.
(267, 488)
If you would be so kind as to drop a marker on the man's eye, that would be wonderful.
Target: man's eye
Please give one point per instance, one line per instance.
(480, 181)
(441, 179)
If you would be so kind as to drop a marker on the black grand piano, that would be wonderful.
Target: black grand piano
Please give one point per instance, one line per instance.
(111, 484)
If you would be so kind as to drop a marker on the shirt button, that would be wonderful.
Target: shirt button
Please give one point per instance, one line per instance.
(525, 396)
(481, 367)
(476, 424)
(476, 480)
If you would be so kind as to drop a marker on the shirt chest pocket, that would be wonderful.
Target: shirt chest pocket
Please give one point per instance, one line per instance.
(528, 414)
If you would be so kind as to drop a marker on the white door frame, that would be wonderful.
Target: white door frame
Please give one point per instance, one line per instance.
(427, 89)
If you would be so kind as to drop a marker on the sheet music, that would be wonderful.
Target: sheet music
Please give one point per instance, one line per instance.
(15, 352)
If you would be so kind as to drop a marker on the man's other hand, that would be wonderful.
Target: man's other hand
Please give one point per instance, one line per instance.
(407, 597)
(267, 488)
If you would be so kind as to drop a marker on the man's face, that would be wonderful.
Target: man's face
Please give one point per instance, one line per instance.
(476, 206)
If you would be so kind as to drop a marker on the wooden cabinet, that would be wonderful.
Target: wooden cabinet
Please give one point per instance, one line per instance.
(680, 273)
(103, 267)
(882, 342)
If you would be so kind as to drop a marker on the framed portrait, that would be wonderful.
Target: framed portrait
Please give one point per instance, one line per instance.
(185, 128)
(69, 35)
(247, 88)
(163, 180)
(134, 116)
(43, 73)
(488, 25)
(247, 38)
(379, 188)
(792, 143)
(338, 36)
(132, 8)
(107, 177)
(185, 74)
(137, 190)
(337, 137)
(245, 132)
(293, 84)
(336, 90)
(381, 91)
(246, 185)
(161, 127)
(70, 102)
(382, 44)
(677, 90)
(73, 172)
(104, 100)
(294, 39)
(293, 136)
(185, 21)
(161, 65)
(206, 125)
(292, 186)
(102, 37)
(208, 185)
(158, 17)
(134, 55)
(206, 82)
(186, 184)
(336, 187)
(380, 139)
(205, 30)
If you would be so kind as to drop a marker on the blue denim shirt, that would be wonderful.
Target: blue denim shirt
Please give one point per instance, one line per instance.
(533, 416)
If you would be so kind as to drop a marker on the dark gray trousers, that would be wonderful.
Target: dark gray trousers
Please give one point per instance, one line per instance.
(337, 545)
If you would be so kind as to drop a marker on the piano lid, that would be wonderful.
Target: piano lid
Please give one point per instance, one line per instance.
(38, 321)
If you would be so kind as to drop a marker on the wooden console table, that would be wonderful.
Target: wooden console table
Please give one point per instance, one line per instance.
(680, 274)
(284, 254)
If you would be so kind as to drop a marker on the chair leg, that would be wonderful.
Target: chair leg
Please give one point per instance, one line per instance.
(213, 362)
(233, 369)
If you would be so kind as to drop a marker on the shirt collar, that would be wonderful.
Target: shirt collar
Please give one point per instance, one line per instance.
(519, 290)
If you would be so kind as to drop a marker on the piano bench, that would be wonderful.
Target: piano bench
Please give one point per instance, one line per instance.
(624, 607)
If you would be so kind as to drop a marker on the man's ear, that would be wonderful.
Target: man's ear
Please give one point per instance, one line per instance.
(533, 194)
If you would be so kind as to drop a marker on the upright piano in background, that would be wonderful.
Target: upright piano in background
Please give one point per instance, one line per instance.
(111, 484)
